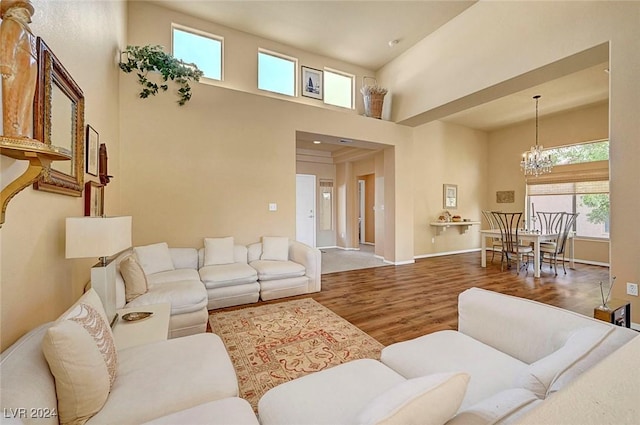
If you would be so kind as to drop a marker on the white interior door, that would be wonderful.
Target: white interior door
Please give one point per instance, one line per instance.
(306, 209)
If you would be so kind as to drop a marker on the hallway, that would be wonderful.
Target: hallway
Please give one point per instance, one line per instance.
(339, 260)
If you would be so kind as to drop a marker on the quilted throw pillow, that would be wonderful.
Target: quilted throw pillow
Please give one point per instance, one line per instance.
(135, 281)
(82, 356)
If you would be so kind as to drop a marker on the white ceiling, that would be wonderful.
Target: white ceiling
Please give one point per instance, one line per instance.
(358, 32)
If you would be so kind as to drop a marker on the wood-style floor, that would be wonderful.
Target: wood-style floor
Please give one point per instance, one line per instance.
(397, 303)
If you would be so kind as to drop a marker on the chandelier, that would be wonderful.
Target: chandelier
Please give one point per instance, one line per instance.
(534, 162)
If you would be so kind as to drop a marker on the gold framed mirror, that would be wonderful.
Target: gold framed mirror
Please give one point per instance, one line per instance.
(58, 121)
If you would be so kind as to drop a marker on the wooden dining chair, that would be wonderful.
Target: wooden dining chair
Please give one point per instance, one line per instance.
(555, 249)
(513, 250)
(496, 243)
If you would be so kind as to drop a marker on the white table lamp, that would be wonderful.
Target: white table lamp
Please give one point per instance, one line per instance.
(101, 237)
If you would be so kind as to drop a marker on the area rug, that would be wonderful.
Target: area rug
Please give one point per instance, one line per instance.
(275, 343)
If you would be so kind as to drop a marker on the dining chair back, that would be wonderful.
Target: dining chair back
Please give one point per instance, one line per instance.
(550, 222)
(496, 243)
(558, 248)
(513, 250)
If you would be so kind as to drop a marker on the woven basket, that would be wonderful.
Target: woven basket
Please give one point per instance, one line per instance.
(373, 105)
(373, 97)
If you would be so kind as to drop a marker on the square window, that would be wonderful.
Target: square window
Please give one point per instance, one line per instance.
(338, 88)
(277, 73)
(204, 50)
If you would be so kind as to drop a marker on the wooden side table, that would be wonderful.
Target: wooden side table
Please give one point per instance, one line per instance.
(618, 313)
(152, 329)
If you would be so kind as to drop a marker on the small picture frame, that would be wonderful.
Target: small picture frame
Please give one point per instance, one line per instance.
(93, 199)
(450, 196)
(505, 196)
(312, 83)
(92, 151)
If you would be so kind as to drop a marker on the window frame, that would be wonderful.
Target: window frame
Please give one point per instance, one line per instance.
(283, 56)
(353, 87)
(204, 34)
(578, 172)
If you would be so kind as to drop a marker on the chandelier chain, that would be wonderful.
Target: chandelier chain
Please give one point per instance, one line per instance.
(535, 162)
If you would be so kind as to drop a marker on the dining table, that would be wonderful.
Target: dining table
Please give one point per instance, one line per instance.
(532, 236)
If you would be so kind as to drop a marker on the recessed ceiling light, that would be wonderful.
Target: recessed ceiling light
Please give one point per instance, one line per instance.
(392, 43)
(316, 142)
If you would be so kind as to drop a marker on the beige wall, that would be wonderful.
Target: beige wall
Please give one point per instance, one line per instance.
(149, 23)
(492, 64)
(212, 167)
(447, 154)
(37, 283)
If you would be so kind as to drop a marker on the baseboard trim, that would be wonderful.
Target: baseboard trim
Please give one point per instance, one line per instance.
(338, 247)
(399, 263)
(442, 254)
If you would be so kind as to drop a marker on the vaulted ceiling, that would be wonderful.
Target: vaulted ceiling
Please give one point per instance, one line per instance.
(359, 32)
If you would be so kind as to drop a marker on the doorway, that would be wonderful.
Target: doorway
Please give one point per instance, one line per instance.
(306, 209)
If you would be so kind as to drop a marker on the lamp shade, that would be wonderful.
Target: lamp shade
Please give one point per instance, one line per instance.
(97, 236)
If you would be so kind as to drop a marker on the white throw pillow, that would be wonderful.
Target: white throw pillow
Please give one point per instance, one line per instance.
(275, 248)
(218, 251)
(540, 375)
(82, 356)
(135, 281)
(427, 400)
(154, 258)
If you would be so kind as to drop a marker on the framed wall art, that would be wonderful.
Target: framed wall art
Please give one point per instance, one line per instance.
(450, 196)
(312, 84)
(93, 199)
(92, 150)
(505, 196)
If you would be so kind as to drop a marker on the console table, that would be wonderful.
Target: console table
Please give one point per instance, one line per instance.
(152, 329)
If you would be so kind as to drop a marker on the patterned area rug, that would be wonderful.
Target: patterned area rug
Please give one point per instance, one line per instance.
(275, 343)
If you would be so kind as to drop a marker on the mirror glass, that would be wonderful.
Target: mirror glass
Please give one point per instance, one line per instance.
(59, 121)
(326, 205)
(62, 109)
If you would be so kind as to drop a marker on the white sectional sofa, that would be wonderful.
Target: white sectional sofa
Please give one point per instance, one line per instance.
(172, 276)
(178, 381)
(220, 274)
(516, 353)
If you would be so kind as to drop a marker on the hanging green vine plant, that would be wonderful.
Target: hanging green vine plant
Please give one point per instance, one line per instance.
(142, 59)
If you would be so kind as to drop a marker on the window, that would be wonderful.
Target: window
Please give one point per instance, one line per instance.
(277, 73)
(579, 183)
(205, 50)
(576, 154)
(338, 88)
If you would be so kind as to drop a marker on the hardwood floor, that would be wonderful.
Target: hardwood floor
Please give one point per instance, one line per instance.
(396, 303)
